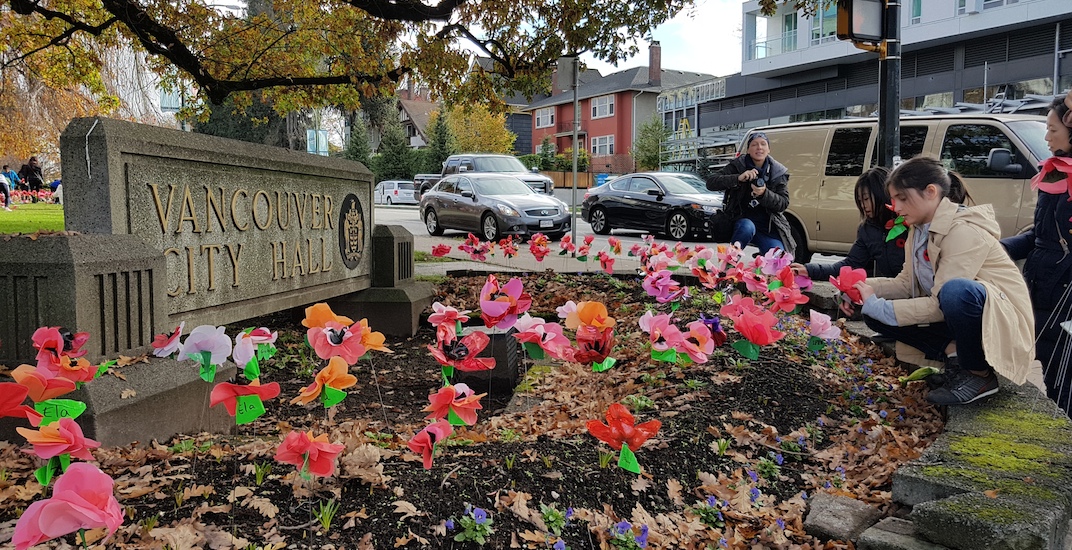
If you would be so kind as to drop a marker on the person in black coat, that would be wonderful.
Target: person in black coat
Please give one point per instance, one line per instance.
(756, 195)
(871, 251)
(31, 174)
(1048, 266)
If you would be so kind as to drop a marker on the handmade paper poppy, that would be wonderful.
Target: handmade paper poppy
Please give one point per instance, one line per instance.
(758, 328)
(52, 342)
(548, 336)
(821, 327)
(423, 443)
(594, 344)
(440, 250)
(445, 319)
(738, 306)
(1053, 178)
(774, 260)
(81, 499)
(336, 375)
(566, 245)
(74, 369)
(846, 282)
(786, 298)
(538, 246)
(593, 314)
(661, 286)
(621, 429)
(308, 453)
(476, 249)
(336, 340)
(61, 437)
(509, 249)
(166, 345)
(500, 305)
(41, 387)
(245, 348)
(606, 262)
(661, 330)
(318, 316)
(458, 399)
(615, 244)
(207, 338)
(754, 282)
(12, 396)
(370, 339)
(228, 393)
(462, 354)
(698, 342)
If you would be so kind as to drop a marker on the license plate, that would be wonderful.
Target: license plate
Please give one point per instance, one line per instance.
(547, 223)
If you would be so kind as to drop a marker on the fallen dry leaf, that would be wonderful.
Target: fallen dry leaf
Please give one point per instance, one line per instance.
(407, 509)
(124, 361)
(127, 393)
(673, 490)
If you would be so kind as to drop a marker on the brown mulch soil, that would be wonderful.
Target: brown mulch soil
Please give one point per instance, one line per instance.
(837, 419)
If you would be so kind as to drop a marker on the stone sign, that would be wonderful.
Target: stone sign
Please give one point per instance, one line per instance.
(245, 229)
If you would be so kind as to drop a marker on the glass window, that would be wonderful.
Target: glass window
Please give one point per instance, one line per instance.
(467, 164)
(464, 185)
(824, 25)
(602, 146)
(847, 150)
(448, 185)
(962, 7)
(451, 167)
(602, 106)
(789, 32)
(641, 185)
(912, 140)
(967, 147)
(545, 117)
(917, 11)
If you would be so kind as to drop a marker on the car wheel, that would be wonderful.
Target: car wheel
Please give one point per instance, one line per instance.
(431, 223)
(803, 255)
(389, 201)
(489, 227)
(598, 220)
(677, 226)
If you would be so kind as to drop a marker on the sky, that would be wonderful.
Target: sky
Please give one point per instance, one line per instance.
(703, 39)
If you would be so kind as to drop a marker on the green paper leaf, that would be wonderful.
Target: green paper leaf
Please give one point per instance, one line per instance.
(627, 460)
(458, 328)
(774, 285)
(582, 258)
(265, 351)
(331, 396)
(815, 343)
(44, 473)
(673, 267)
(718, 297)
(674, 306)
(252, 370)
(250, 408)
(208, 372)
(448, 373)
(304, 472)
(103, 368)
(702, 262)
(918, 374)
(670, 355)
(55, 409)
(896, 230)
(605, 365)
(747, 349)
(534, 350)
(65, 461)
(454, 419)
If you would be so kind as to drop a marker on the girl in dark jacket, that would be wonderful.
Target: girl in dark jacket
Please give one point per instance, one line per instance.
(1048, 269)
(871, 251)
(756, 195)
(31, 174)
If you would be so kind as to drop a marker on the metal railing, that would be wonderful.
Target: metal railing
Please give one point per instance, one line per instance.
(784, 43)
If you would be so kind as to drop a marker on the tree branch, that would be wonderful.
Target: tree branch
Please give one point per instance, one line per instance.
(408, 10)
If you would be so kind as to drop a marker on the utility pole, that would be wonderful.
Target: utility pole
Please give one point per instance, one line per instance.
(875, 26)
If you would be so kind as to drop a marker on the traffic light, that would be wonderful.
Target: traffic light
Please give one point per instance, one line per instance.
(861, 20)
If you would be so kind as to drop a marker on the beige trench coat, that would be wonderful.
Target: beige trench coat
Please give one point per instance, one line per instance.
(963, 244)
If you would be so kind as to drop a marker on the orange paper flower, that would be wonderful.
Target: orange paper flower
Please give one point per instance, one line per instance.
(41, 387)
(61, 437)
(593, 314)
(335, 375)
(458, 398)
(318, 316)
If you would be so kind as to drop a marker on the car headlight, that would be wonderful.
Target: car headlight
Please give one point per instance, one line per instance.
(705, 207)
(506, 210)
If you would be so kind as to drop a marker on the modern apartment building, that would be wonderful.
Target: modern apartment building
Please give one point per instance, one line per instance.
(793, 68)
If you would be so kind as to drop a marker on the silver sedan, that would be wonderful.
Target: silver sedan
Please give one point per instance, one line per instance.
(492, 205)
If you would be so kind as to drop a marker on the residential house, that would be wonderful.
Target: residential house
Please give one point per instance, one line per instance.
(612, 108)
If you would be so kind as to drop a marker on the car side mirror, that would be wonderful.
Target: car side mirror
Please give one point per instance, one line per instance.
(468, 194)
(655, 192)
(1001, 160)
(463, 169)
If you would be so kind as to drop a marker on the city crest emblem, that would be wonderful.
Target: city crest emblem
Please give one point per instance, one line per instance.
(351, 231)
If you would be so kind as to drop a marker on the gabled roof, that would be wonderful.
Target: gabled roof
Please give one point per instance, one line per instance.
(420, 112)
(634, 79)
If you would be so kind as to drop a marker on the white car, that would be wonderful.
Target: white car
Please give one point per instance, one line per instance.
(394, 192)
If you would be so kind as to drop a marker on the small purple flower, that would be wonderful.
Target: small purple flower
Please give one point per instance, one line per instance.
(781, 523)
(754, 494)
(450, 525)
(827, 485)
(778, 459)
(480, 516)
(802, 441)
(713, 323)
(804, 495)
(753, 476)
(723, 543)
(622, 527)
(569, 512)
(712, 501)
(883, 414)
(642, 538)
(560, 545)
(821, 423)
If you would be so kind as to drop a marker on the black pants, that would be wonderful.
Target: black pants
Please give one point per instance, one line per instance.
(35, 188)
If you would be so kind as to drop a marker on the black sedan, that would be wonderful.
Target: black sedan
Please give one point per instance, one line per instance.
(672, 203)
(492, 205)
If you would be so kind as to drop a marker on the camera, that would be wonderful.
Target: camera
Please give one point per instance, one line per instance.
(760, 181)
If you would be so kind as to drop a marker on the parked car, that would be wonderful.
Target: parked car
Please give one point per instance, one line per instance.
(997, 155)
(673, 203)
(486, 162)
(394, 192)
(424, 182)
(492, 205)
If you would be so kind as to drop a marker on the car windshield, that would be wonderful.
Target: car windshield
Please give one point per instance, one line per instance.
(498, 164)
(683, 184)
(501, 186)
(1033, 133)
(408, 186)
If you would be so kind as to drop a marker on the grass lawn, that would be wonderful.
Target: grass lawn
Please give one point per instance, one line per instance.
(31, 218)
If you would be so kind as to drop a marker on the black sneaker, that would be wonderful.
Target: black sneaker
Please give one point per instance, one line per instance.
(963, 388)
(952, 367)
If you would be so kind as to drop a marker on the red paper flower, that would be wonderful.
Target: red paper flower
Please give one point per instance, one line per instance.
(846, 281)
(61, 437)
(538, 246)
(445, 319)
(303, 450)
(459, 399)
(606, 262)
(620, 429)
(12, 396)
(440, 250)
(168, 344)
(424, 442)
(1053, 178)
(758, 328)
(52, 342)
(699, 342)
(228, 394)
(737, 307)
(75, 370)
(593, 344)
(462, 354)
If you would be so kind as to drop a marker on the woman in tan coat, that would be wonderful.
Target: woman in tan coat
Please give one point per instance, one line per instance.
(959, 298)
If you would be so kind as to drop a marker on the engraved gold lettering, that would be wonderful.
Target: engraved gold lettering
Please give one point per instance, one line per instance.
(309, 256)
(267, 206)
(212, 250)
(279, 257)
(299, 265)
(164, 214)
(329, 219)
(300, 204)
(325, 266)
(188, 206)
(316, 212)
(190, 269)
(281, 203)
(234, 261)
(234, 213)
(177, 290)
(212, 206)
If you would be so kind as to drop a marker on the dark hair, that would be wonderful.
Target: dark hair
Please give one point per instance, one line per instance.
(32, 160)
(958, 191)
(6, 167)
(1061, 110)
(874, 181)
(919, 172)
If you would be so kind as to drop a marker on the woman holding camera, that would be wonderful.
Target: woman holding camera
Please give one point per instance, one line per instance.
(756, 194)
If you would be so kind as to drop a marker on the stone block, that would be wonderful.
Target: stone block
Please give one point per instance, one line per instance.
(973, 521)
(500, 381)
(894, 534)
(392, 255)
(824, 297)
(838, 517)
(111, 286)
(394, 311)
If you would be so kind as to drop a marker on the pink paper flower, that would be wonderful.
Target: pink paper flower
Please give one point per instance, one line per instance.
(548, 336)
(758, 329)
(476, 249)
(208, 338)
(698, 343)
(75, 370)
(166, 345)
(50, 344)
(303, 450)
(440, 250)
(755, 282)
(1053, 178)
(786, 298)
(500, 306)
(336, 340)
(821, 327)
(509, 249)
(606, 262)
(538, 246)
(61, 437)
(445, 320)
(737, 307)
(81, 499)
(228, 394)
(566, 244)
(566, 309)
(615, 244)
(846, 281)
(462, 354)
(424, 442)
(663, 287)
(459, 399)
(661, 330)
(774, 260)
(246, 344)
